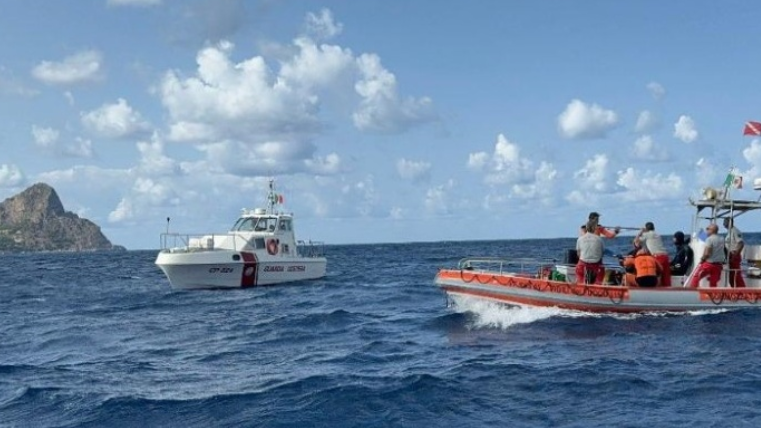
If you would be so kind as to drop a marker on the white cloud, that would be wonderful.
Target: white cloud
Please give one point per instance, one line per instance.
(381, 110)
(656, 90)
(11, 176)
(540, 187)
(83, 66)
(684, 129)
(477, 161)
(707, 174)
(191, 131)
(582, 198)
(122, 212)
(45, 138)
(317, 67)
(330, 164)
(145, 194)
(322, 26)
(593, 177)
(436, 201)
(591, 182)
(646, 149)
(752, 154)
(648, 186)
(86, 177)
(48, 140)
(81, 148)
(240, 101)
(252, 120)
(362, 198)
(646, 122)
(267, 158)
(153, 162)
(583, 121)
(342, 196)
(413, 171)
(117, 120)
(506, 167)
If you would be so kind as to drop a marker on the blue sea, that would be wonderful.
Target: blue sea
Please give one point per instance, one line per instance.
(101, 340)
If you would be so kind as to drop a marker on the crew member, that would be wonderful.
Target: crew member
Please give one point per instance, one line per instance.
(734, 244)
(682, 261)
(651, 241)
(589, 247)
(711, 260)
(593, 225)
(646, 269)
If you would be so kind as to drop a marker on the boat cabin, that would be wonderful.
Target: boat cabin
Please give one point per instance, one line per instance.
(260, 221)
(261, 229)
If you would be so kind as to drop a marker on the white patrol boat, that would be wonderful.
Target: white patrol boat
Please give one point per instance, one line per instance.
(260, 249)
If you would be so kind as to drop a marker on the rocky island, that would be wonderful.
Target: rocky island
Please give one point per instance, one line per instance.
(35, 220)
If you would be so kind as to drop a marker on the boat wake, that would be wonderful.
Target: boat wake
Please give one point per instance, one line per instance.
(490, 314)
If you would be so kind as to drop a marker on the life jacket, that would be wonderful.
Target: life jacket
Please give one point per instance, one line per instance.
(646, 265)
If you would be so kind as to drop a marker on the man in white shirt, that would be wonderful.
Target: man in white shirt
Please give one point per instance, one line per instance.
(712, 259)
(589, 246)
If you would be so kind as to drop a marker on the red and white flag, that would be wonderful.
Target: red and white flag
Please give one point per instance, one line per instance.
(752, 128)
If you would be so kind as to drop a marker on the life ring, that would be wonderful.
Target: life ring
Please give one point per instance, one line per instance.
(272, 246)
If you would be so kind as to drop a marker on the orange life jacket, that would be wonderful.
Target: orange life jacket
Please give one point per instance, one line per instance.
(644, 264)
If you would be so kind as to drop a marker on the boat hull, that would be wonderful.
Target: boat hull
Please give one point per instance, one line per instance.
(235, 269)
(525, 290)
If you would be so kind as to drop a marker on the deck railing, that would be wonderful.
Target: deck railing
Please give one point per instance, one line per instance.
(190, 242)
(198, 241)
(545, 268)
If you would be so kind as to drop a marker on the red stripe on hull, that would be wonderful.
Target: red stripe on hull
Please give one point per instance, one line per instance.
(540, 285)
(249, 274)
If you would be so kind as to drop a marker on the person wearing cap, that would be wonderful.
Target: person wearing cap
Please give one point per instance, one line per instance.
(648, 239)
(594, 221)
(682, 261)
(711, 260)
(646, 269)
(734, 244)
(589, 247)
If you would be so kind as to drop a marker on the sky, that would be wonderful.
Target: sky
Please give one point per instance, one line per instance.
(379, 121)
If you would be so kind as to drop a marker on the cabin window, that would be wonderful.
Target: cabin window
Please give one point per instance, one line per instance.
(236, 226)
(259, 243)
(284, 225)
(261, 225)
(246, 225)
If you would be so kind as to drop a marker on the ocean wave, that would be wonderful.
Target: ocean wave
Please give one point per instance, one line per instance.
(107, 342)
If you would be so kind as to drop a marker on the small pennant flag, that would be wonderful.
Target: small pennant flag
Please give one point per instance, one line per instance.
(752, 128)
(737, 182)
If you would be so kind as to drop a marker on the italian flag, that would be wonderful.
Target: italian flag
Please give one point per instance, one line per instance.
(733, 180)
